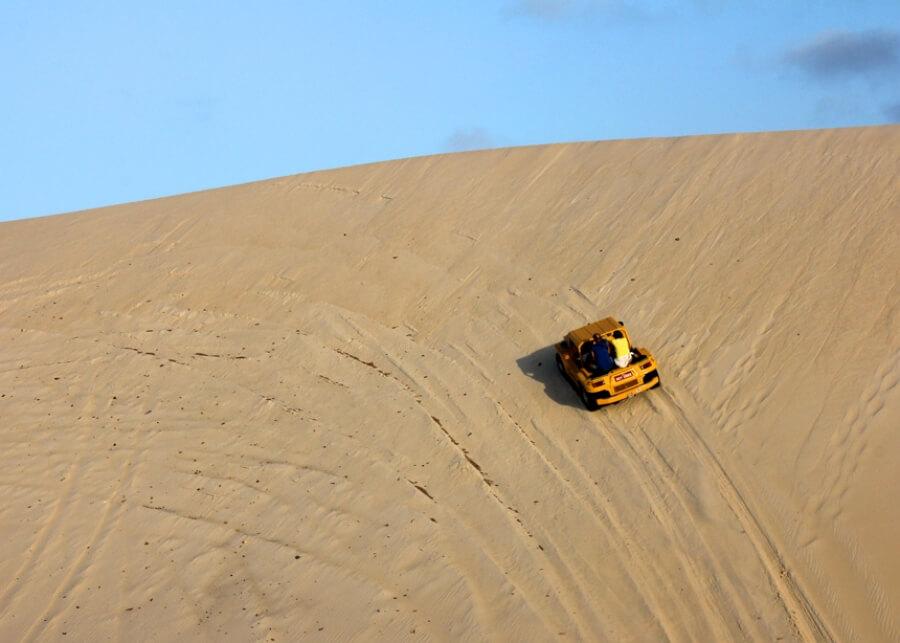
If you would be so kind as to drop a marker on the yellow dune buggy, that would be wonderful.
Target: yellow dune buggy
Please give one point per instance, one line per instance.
(596, 386)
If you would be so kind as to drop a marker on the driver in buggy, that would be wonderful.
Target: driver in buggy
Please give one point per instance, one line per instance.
(600, 355)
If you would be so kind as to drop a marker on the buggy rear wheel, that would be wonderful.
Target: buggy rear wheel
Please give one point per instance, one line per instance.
(589, 403)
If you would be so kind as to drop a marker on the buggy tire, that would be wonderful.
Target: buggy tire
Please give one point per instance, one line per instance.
(589, 404)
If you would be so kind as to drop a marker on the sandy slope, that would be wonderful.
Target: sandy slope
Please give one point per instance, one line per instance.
(325, 405)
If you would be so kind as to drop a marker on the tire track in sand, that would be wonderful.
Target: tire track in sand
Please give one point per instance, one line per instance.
(657, 477)
(802, 614)
(75, 575)
(43, 537)
(528, 594)
(643, 578)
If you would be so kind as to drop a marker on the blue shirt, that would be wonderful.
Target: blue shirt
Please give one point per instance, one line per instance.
(602, 358)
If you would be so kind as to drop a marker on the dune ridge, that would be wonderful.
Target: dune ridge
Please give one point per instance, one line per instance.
(325, 405)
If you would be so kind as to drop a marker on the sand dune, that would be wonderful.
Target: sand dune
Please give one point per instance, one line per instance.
(325, 406)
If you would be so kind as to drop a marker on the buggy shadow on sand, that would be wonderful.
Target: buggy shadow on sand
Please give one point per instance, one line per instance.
(540, 367)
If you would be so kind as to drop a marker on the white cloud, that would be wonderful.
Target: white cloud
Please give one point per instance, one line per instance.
(475, 138)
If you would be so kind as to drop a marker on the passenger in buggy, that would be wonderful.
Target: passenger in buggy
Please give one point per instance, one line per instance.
(621, 349)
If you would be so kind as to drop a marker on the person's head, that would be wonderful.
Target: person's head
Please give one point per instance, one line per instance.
(618, 334)
(596, 337)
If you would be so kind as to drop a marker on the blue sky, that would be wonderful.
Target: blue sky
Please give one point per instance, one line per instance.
(105, 102)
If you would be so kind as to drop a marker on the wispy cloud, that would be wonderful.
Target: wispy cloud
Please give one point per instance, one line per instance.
(843, 54)
(857, 71)
(844, 106)
(636, 11)
(544, 9)
(475, 138)
(559, 10)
